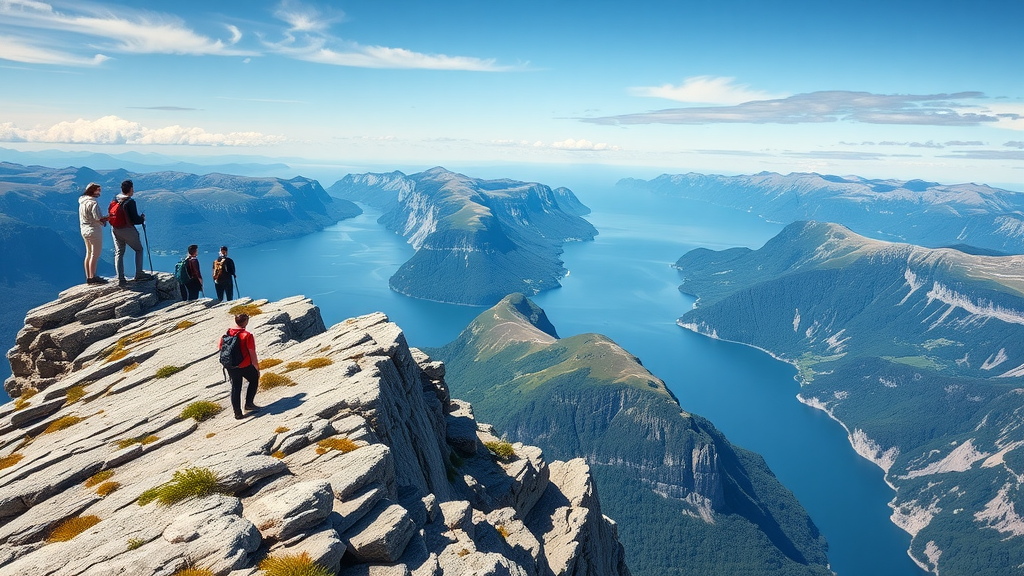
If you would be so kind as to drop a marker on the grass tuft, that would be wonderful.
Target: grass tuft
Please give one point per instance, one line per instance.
(75, 393)
(122, 444)
(281, 429)
(98, 478)
(463, 552)
(342, 445)
(107, 488)
(292, 565)
(199, 411)
(272, 380)
(62, 423)
(279, 455)
(186, 483)
(184, 324)
(134, 543)
(72, 527)
(130, 367)
(22, 401)
(319, 362)
(211, 434)
(502, 449)
(250, 309)
(269, 363)
(193, 571)
(10, 460)
(117, 355)
(294, 365)
(167, 371)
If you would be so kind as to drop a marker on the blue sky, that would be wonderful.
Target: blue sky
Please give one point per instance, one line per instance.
(898, 89)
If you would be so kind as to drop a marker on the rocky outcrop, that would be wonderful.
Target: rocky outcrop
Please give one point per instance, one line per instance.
(349, 461)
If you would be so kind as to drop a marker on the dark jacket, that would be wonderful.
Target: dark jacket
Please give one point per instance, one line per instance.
(227, 270)
(193, 269)
(130, 209)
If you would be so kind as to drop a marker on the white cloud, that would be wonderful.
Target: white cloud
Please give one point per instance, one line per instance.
(705, 90)
(114, 130)
(1010, 114)
(567, 144)
(303, 18)
(131, 32)
(18, 51)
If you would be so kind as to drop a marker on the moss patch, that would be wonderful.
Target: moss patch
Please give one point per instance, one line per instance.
(269, 363)
(319, 362)
(187, 483)
(72, 527)
(75, 393)
(62, 423)
(340, 444)
(250, 309)
(184, 324)
(107, 488)
(168, 371)
(22, 401)
(270, 380)
(130, 367)
(98, 478)
(281, 429)
(200, 410)
(10, 460)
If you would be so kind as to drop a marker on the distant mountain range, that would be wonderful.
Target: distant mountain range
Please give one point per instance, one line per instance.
(918, 352)
(137, 162)
(915, 211)
(180, 208)
(476, 240)
(686, 500)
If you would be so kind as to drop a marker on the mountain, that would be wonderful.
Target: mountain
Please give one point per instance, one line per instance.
(180, 208)
(915, 211)
(129, 459)
(149, 162)
(918, 352)
(686, 500)
(476, 240)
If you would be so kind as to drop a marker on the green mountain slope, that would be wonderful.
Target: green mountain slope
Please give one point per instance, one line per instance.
(476, 240)
(686, 500)
(918, 352)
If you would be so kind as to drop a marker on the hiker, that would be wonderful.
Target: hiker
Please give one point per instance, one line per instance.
(123, 216)
(195, 278)
(92, 223)
(248, 368)
(223, 274)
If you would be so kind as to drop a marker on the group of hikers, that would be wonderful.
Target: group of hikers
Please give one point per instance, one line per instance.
(123, 216)
(238, 346)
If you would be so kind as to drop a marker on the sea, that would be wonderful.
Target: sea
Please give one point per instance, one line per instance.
(623, 285)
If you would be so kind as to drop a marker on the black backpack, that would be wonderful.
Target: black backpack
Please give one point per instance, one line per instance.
(231, 354)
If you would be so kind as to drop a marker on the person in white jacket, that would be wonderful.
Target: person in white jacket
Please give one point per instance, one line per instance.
(92, 223)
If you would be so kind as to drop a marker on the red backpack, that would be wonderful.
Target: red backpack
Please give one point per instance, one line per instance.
(118, 217)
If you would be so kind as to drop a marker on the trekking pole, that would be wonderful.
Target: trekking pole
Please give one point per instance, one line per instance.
(238, 291)
(146, 236)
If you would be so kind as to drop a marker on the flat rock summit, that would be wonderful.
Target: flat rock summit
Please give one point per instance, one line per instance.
(120, 454)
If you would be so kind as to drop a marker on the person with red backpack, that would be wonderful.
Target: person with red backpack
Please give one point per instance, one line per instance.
(238, 356)
(123, 216)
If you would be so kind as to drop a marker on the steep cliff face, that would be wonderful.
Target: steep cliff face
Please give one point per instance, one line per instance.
(682, 494)
(926, 213)
(350, 460)
(916, 351)
(475, 240)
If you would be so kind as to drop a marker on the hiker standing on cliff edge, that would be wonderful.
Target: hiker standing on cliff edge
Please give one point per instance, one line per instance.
(124, 215)
(91, 223)
(223, 275)
(248, 367)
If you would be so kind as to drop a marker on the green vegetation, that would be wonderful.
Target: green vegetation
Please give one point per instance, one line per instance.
(270, 380)
(187, 483)
(72, 527)
(122, 444)
(120, 348)
(193, 571)
(134, 543)
(98, 478)
(200, 410)
(292, 565)
(502, 450)
(168, 371)
(916, 361)
(62, 424)
(22, 401)
(184, 324)
(130, 367)
(570, 397)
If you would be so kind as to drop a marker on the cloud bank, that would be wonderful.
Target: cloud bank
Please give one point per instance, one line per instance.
(570, 144)
(705, 90)
(828, 106)
(114, 130)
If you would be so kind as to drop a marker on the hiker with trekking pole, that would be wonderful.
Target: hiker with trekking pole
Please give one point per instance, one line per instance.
(223, 275)
(123, 217)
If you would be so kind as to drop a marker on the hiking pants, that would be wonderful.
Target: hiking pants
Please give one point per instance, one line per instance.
(225, 288)
(192, 288)
(130, 236)
(251, 374)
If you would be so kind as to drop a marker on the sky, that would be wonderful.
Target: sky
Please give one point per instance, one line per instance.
(883, 89)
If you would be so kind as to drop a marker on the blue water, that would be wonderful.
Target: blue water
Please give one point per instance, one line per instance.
(622, 285)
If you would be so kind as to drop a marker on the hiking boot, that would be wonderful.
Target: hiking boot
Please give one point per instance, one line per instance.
(143, 276)
(98, 280)
(239, 416)
(122, 283)
(252, 408)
